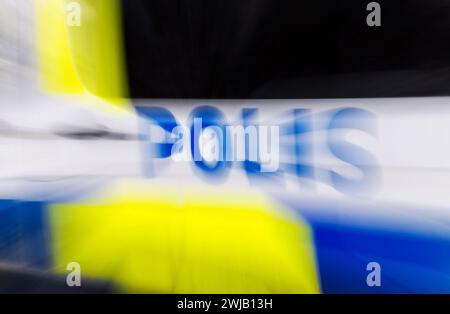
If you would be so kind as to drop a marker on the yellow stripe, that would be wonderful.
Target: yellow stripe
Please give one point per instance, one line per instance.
(150, 239)
(87, 60)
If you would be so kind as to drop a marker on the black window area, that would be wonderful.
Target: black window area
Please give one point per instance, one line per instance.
(239, 49)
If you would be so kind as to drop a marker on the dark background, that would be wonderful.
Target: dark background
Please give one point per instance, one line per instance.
(286, 49)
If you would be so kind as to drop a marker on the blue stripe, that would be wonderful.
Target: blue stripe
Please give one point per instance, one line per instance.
(24, 237)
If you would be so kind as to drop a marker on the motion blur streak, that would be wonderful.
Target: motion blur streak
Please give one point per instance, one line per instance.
(88, 174)
(152, 238)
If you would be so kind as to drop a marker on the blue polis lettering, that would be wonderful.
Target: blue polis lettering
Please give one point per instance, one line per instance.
(297, 133)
